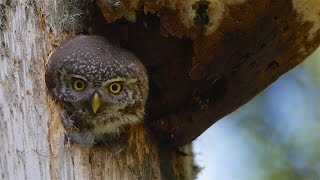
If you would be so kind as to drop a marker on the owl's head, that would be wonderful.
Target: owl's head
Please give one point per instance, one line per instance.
(92, 78)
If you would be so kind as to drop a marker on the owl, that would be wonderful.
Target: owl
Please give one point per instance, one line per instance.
(102, 88)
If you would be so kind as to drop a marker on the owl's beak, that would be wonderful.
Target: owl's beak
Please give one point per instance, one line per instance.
(95, 102)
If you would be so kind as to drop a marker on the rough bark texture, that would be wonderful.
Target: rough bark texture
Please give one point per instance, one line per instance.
(204, 59)
(24, 150)
(32, 137)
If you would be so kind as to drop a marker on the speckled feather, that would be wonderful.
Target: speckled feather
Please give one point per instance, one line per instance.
(96, 61)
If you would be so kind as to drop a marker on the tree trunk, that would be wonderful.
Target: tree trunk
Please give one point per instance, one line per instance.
(194, 50)
(31, 134)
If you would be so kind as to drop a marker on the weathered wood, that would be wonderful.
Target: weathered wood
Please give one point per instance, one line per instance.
(24, 150)
(204, 60)
(32, 137)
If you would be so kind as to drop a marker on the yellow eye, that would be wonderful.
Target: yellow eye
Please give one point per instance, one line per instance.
(115, 88)
(79, 85)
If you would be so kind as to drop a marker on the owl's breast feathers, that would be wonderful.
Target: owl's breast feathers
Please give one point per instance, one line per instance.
(108, 123)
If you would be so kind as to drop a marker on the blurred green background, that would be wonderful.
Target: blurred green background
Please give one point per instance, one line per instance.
(274, 136)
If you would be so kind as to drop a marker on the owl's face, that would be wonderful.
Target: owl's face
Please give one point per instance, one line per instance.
(104, 87)
(92, 98)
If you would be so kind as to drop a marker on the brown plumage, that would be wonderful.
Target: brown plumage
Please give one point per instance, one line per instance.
(102, 88)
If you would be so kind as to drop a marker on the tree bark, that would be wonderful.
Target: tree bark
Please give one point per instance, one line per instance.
(204, 60)
(213, 55)
(32, 137)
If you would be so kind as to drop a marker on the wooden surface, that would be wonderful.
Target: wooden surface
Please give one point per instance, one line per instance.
(204, 60)
(32, 137)
(207, 58)
(24, 117)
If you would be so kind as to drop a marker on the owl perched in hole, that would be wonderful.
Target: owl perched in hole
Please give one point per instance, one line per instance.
(103, 88)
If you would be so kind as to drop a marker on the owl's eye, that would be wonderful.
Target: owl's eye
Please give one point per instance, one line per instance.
(79, 85)
(115, 87)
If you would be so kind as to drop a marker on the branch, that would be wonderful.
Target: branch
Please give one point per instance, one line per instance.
(207, 58)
